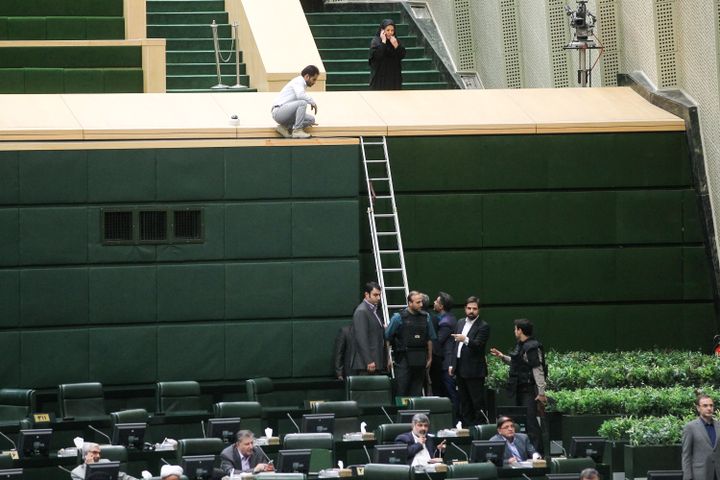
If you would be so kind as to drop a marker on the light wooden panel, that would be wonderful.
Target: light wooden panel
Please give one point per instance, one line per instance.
(37, 117)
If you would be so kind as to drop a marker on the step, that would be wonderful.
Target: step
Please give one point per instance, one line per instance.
(190, 56)
(327, 18)
(153, 6)
(362, 53)
(186, 31)
(203, 68)
(344, 87)
(206, 90)
(197, 44)
(358, 42)
(361, 76)
(355, 29)
(201, 81)
(187, 18)
(337, 66)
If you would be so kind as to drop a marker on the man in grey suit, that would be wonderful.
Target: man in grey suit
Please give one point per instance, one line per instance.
(700, 454)
(243, 456)
(368, 329)
(518, 447)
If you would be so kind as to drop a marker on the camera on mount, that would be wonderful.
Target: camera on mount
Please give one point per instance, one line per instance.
(582, 20)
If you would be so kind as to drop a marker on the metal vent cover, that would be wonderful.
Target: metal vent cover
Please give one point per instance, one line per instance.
(559, 37)
(608, 36)
(117, 226)
(511, 42)
(666, 42)
(463, 29)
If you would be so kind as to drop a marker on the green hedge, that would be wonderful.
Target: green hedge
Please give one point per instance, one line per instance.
(665, 430)
(656, 368)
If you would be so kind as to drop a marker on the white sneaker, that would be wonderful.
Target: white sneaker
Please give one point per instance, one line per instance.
(283, 131)
(300, 133)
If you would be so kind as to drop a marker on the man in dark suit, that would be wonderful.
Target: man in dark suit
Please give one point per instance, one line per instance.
(518, 447)
(469, 364)
(368, 328)
(700, 453)
(422, 448)
(244, 456)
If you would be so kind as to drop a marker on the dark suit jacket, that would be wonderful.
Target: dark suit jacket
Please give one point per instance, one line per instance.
(522, 443)
(414, 447)
(368, 338)
(474, 364)
(443, 346)
(700, 459)
(230, 459)
(343, 352)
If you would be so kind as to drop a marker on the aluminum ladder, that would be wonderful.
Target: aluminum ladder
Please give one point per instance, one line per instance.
(384, 229)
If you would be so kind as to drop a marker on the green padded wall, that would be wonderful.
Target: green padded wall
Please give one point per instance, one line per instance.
(595, 237)
(279, 260)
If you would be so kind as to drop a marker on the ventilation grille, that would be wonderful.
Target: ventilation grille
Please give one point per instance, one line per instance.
(559, 35)
(666, 43)
(608, 36)
(463, 29)
(508, 19)
(117, 227)
(187, 225)
(153, 226)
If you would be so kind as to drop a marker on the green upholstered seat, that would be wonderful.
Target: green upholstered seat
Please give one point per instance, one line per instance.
(481, 471)
(115, 453)
(178, 397)
(136, 415)
(441, 410)
(261, 390)
(16, 404)
(81, 400)
(379, 471)
(387, 432)
(250, 414)
(570, 465)
(347, 416)
(483, 432)
(6, 461)
(280, 476)
(369, 391)
(321, 444)
(199, 446)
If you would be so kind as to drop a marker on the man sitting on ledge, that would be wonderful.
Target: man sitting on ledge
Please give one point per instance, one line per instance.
(421, 447)
(91, 454)
(518, 447)
(243, 456)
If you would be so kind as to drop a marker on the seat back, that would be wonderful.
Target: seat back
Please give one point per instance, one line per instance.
(321, 445)
(369, 390)
(16, 404)
(115, 453)
(199, 446)
(347, 416)
(6, 461)
(380, 471)
(81, 400)
(387, 432)
(570, 465)
(258, 388)
(136, 415)
(441, 411)
(483, 432)
(481, 471)
(178, 397)
(279, 476)
(250, 414)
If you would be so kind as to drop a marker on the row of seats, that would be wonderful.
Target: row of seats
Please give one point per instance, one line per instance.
(62, 28)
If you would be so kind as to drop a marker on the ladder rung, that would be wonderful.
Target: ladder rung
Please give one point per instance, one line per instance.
(389, 251)
(380, 178)
(375, 161)
(397, 306)
(373, 143)
(385, 233)
(392, 269)
(394, 288)
(383, 215)
(383, 196)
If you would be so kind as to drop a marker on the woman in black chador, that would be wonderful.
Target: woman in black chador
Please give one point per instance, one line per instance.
(386, 55)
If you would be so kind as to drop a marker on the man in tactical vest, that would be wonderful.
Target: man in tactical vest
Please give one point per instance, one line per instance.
(411, 334)
(528, 372)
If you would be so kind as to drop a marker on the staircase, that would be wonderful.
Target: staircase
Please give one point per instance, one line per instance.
(343, 40)
(190, 55)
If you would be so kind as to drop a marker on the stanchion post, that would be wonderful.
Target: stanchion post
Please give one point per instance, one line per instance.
(216, 44)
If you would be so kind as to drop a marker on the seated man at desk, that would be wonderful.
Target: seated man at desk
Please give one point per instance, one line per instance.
(518, 447)
(421, 447)
(244, 456)
(92, 454)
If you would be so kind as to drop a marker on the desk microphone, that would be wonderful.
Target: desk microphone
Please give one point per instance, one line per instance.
(486, 417)
(263, 453)
(65, 470)
(202, 426)
(165, 461)
(386, 414)
(467, 458)
(9, 440)
(367, 454)
(525, 476)
(559, 444)
(101, 433)
(293, 422)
